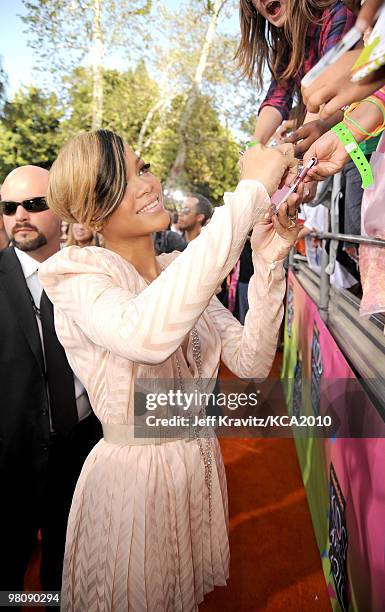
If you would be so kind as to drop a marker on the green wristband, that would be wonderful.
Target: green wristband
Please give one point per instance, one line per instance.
(251, 143)
(357, 156)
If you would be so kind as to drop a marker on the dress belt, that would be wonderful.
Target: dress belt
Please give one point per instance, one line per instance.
(124, 435)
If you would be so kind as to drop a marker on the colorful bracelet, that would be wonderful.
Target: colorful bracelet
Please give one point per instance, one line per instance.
(377, 102)
(370, 100)
(352, 148)
(359, 128)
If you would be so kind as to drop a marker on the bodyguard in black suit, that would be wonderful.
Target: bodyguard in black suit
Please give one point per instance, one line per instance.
(46, 426)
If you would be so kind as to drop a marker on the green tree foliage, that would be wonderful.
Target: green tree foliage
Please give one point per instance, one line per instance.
(30, 131)
(195, 61)
(61, 32)
(127, 98)
(212, 154)
(34, 126)
(175, 119)
(66, 33)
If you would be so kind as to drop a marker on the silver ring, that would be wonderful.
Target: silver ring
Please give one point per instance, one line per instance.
(292, 224)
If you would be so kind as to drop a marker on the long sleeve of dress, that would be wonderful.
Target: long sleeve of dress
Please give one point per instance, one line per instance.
(248, 350)
(149, 327)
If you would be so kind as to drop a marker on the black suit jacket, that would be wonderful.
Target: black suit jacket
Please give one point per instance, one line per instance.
(24, 417)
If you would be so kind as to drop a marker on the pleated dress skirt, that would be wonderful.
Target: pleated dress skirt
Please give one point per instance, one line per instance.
(140, 536)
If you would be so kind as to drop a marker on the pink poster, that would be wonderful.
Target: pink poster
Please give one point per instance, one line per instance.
(344, 476)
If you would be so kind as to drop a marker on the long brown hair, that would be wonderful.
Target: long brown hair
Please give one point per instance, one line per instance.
(263, 44)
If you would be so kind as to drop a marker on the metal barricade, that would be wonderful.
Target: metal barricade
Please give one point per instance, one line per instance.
(324, 293)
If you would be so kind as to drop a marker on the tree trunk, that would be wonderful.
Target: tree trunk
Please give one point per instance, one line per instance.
(97, 52)
(161, 103)
(178, 165)
(166, 94)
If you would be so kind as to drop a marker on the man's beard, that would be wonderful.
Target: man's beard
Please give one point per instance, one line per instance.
(30, 245)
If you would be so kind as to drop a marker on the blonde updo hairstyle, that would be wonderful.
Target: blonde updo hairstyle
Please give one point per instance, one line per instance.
(88, 180)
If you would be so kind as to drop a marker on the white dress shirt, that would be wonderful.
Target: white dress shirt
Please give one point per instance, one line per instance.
(30, 267)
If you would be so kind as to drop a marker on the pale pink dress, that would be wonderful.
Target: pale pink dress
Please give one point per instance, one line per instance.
(139, 536)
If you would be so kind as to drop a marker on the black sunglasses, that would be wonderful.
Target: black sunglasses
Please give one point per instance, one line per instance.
(32, 205)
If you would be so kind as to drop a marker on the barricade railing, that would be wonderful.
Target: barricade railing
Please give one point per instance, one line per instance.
(324, 296)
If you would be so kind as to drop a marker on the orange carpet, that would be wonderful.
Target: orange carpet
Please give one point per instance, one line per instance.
(275, 563)
(274, 559)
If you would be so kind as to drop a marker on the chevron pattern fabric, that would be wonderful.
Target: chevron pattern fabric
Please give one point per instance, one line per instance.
(139, 536)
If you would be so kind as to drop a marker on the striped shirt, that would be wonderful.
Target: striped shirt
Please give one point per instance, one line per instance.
(336, 20)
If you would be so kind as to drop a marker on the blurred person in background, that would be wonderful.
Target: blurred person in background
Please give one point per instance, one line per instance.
(80, 235)
(314, 221)
(167, 241)
(175, 223)
(246, 271)
(64, 233)
(195, 212)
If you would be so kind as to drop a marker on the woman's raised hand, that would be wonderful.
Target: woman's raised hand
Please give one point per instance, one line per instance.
(304, 136)
(281, 220)
(334, 88)
(268, 165)
(331, 156)
(277, 233)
